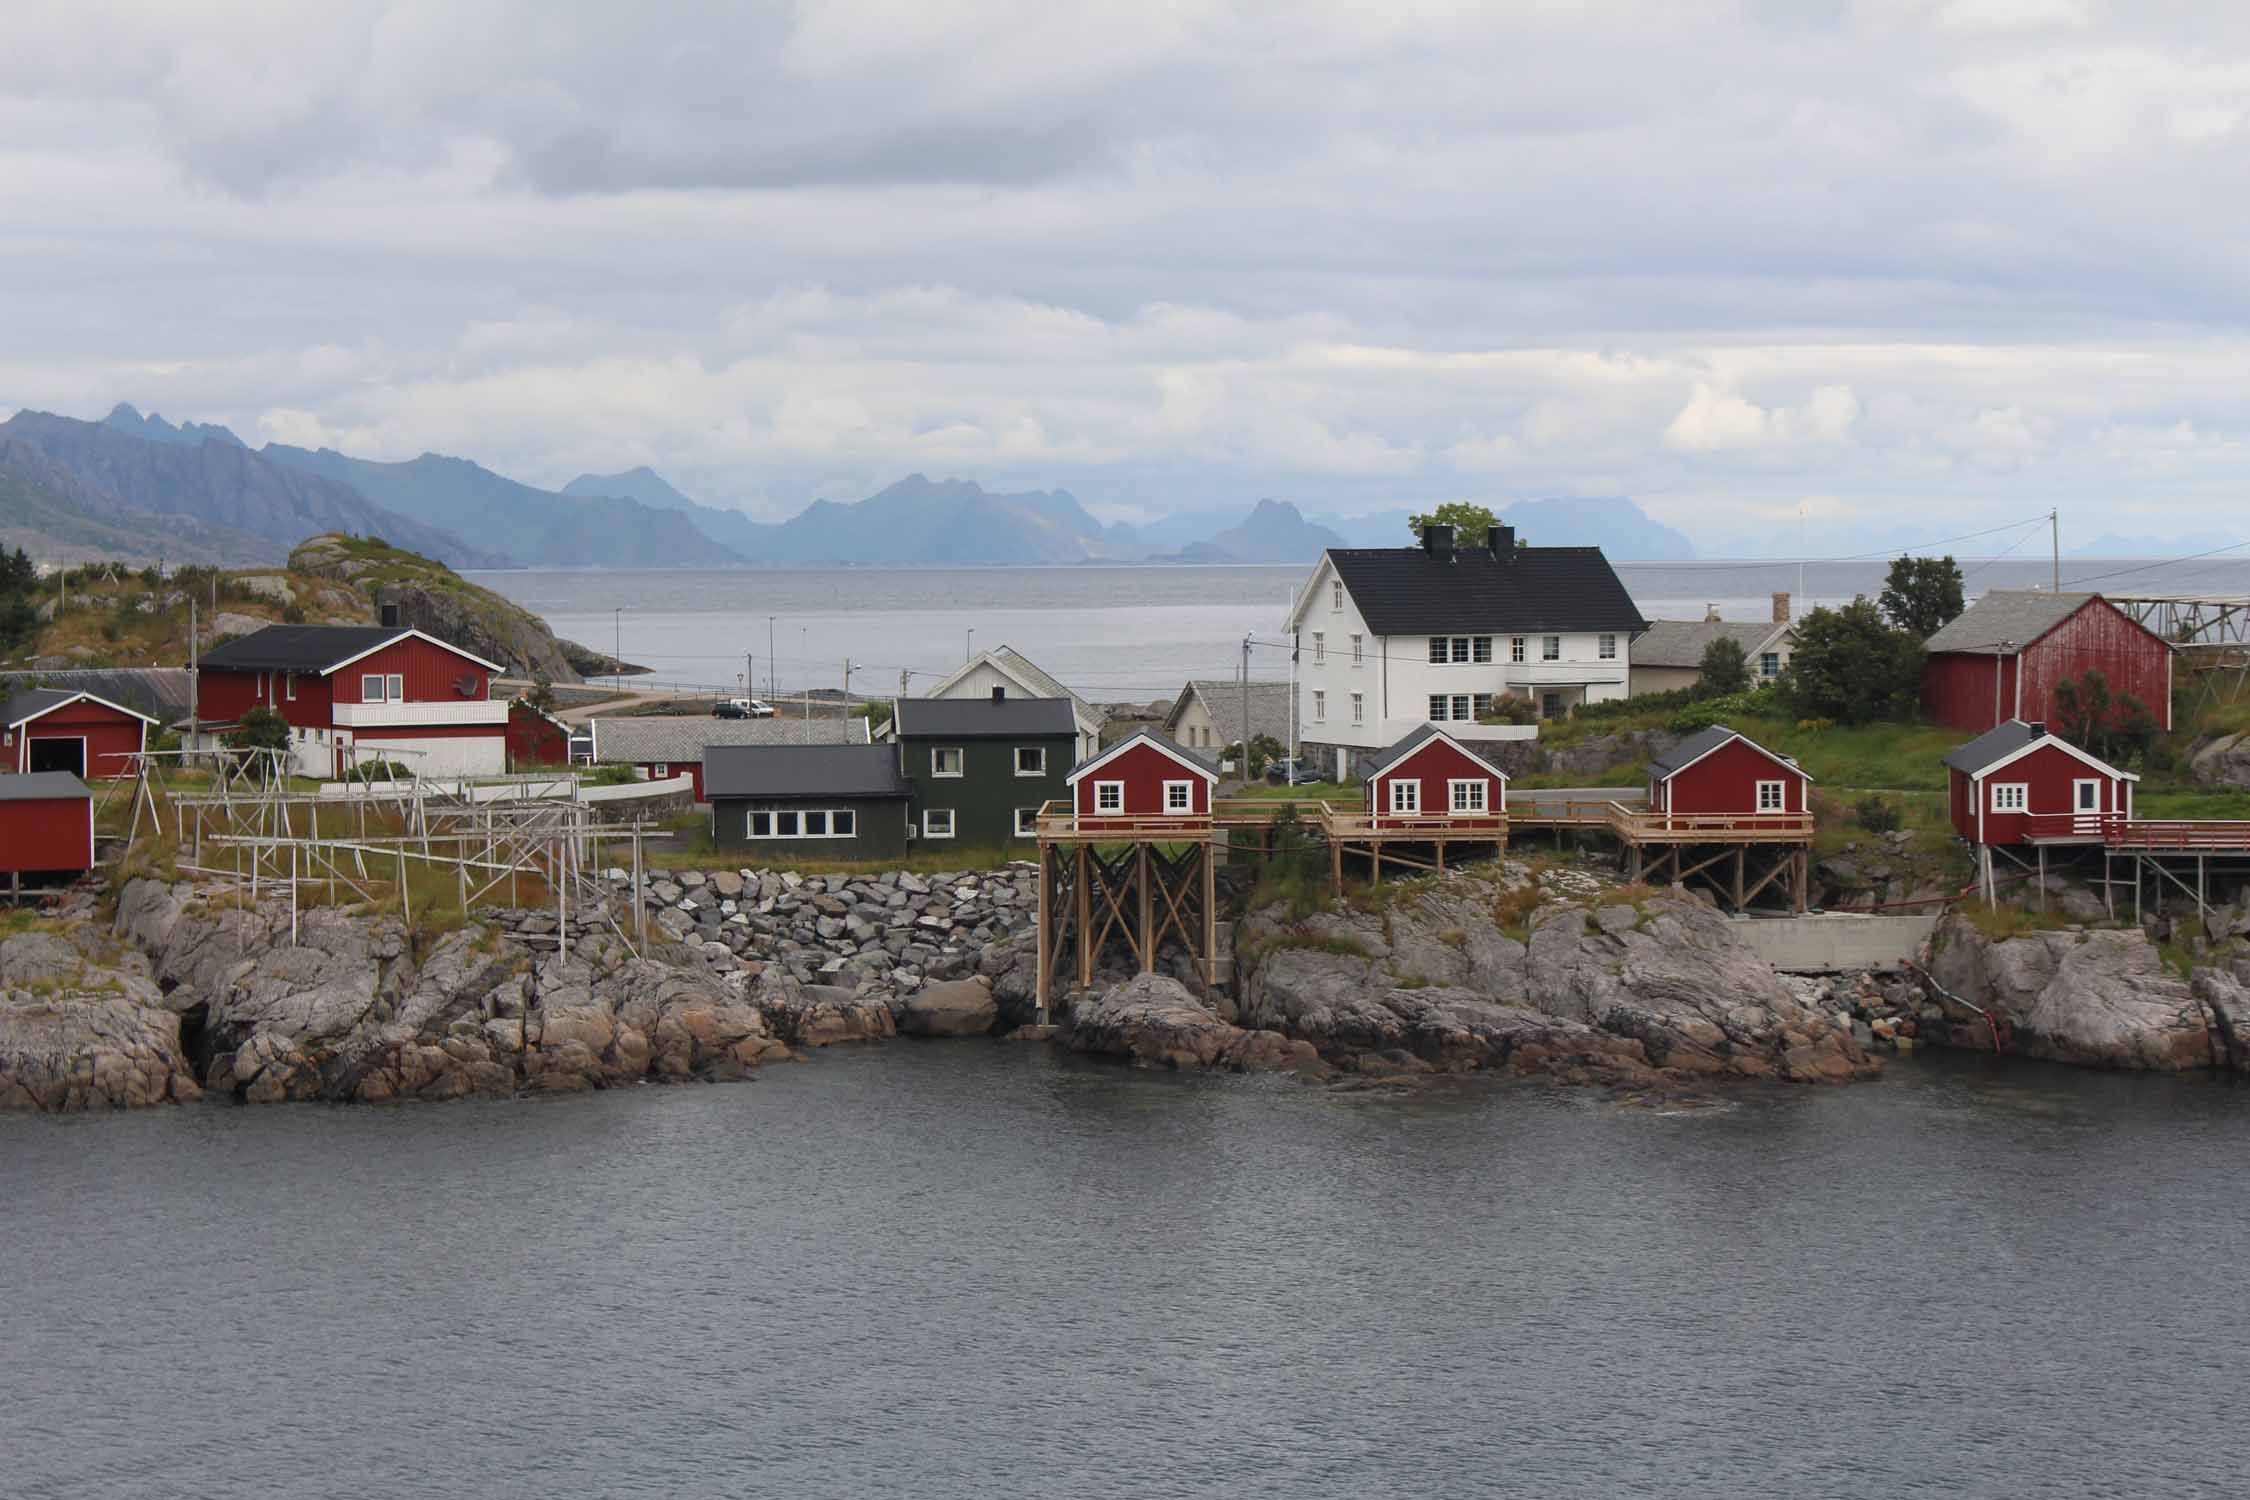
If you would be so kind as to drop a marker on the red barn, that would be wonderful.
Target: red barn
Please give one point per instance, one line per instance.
(355, 694)
(46, 825)
(55, 729)
(1719, 773)
(1143, 782)
(2018, 784)
(1430, 778)
(2005, 654)
(536, 737)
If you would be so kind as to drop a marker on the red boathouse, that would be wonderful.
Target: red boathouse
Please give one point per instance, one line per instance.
(1721, 774)
(46, 825)
(1143, 783)
(1430, 779)
(2004, 656)
(2019, 784)
(56, 729)
(536, 737)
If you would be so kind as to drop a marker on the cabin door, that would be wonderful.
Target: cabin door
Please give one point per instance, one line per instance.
(2086, 805)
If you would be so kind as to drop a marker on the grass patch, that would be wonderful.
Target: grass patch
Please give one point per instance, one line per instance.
(1325, 791)
(2001, 922)
(2191, 802)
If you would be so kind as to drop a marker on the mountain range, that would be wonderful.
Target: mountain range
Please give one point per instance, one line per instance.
(141, 488)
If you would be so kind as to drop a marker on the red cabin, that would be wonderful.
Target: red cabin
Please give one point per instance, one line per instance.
(55, 729)
(536, 737)
(1430, 779)
(1143, 783)
(46, 825)
(1722, 775)
(2018, 784)
(2004, 656)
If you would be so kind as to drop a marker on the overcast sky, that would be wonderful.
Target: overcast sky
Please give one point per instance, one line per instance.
(1931, 263)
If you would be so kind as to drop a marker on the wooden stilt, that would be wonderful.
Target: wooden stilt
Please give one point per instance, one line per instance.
(1375, 854)
(1084, 898)
(1441, 856)
(1146, 941)
(1046, 922)
(1210, 923)
(1336, 863)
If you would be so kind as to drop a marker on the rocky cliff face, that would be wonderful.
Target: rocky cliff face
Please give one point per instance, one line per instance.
(2097, 998)
(84, 1026)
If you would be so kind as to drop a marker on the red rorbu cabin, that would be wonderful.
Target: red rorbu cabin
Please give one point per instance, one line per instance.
(2003, 657)
(2018, 784)
(1719, 775)
(536, 737)
(56, 729)
(46, 825)
(1142, 783)
(1430, 779)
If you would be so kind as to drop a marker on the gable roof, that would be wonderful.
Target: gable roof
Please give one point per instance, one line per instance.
(983, 718)
(2013, 740)
(2019, 617)
(1415, 739)
(317, 648)
(41, 786)
(785, 772)
(1692, 749)
(161, 692)
(1026, 674)
(1188, 759)
(31, 703)
(681, 739)
(1407, 591)
(1681, 643)
(1271, 708)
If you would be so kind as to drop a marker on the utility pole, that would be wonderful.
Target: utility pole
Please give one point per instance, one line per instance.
(2054, 537)
(617, 649)
(804, 660)
(194, 728)
(1243, 770)
(770, 689)
(749, 675)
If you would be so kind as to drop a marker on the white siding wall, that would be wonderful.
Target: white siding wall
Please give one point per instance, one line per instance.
(984, 677)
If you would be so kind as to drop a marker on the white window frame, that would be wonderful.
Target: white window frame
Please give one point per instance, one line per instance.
(1517, 647)
(1102, 788)
(833, 818)
(1480, 704)
(2076, 787)
(2018, 799)
(929, 829)
(1027, 822)
(804, 822)
(1440, 650)
(1336, 593)
(1606, 647)
(1359, 708)
(1359, 649)
(1038, 750)
(1405, 795)
(1437, 706)
(1319, 706)
(1464, 707)
(660, 770)
(1186, 789)
(1769, 664)
(1480, 649)
(1455, 791)
(1779, 791)
(850, 813)
(1461, 649)
(750, 823)
(371, 687)
(1550, 648)
(960, 763)
(796, 816)
(1320, 648)
(289, 687)
(395, 685)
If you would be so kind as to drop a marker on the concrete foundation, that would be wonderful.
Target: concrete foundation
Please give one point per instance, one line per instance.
(1832, 944)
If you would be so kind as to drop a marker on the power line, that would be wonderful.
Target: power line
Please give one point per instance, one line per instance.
(2152, 567)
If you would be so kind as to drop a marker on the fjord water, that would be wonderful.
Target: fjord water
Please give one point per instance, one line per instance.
(968, 1269)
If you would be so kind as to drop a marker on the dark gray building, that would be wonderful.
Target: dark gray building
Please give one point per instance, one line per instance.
(800, 801)
(981, 767)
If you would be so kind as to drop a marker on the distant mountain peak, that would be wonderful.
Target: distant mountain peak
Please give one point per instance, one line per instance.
(126, 418)
(640, 483)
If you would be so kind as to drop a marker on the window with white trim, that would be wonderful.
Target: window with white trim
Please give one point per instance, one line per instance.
(2088, 795)
(1550, 648)
(1438, 702)
(1179, 796)
(1467, 796)
(1109, 796)
(788, 824)
(371, 688)
(1336, 594)
(1773, 796)
(289, 686)
(660, 770)
(937, 822)
(1319, 706)
(1027, 822)
(1406, 796)
(1606, 648)
(1480, 648)
(1319, 647)
(1440, 651)
(2011, 796)
(1769, 664)
(1461, 706)
(945, 761)
(816, 822)
(1359, 708)
(1515, 648)
(1359, 649)
(1031, 760)
(1480, 704)
(843, 823)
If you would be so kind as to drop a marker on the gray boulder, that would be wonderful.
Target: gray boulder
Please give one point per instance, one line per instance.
(959, 1007)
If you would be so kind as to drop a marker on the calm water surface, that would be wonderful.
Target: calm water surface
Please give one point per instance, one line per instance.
(977, 1269)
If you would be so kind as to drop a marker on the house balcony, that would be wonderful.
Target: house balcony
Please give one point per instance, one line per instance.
(480, 712)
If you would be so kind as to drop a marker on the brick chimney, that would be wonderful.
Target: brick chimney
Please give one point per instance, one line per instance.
(1781, 609)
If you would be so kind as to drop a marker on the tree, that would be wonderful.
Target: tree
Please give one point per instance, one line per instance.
(1724, 669)
(542, 694)
(1922, 594)
(1851, 666)
(2114, 727)
(1470, 521)
(260, 729)
(19, 614)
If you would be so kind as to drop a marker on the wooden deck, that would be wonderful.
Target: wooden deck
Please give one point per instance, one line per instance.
(1711, 828)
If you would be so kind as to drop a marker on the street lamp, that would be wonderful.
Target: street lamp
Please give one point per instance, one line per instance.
(769, 656)
(617, 649)
(969, 647)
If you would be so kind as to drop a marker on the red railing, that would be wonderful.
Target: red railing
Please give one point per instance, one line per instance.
(2089, 826)
(2188, 834)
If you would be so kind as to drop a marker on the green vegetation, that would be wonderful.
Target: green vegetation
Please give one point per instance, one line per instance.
(1922, 594)
(2007, 921)
(1471, 522)
(19, 613)
(261, 729)
(2119, 729)
(1724, 669)
(1851, 666)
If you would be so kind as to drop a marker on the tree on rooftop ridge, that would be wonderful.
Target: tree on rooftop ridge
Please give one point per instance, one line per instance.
(1471, 522)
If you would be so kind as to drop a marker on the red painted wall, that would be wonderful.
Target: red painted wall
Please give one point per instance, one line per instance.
(536, 740)
(692, 768)
(1957, 687)
(1436, 764)
(222, 696)
(2051, 774)
(430, 672)
(1726, 782)
(46, 834)
(111, 738)
(1144, 769)
(1957, 690)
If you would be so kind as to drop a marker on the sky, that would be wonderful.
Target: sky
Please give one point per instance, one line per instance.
(1768, 267)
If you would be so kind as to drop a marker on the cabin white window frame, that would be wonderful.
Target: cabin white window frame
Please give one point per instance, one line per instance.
(835, 823)
(1468, 794)
(1772, 796)
(1027, 822)
(2011, 796)
(1320, 648)
(1769, 664)
(1185, 791)
(1114, 793)
(1605, 646)
(930, 830)
(289, 687)
(937, 763)
(1550, 648)
(659, 770)
(1359, 708)
(2077, 790)
(371, 688)
(1039, 766)
(1517, 646)
(1319, 706)
(1404, 795)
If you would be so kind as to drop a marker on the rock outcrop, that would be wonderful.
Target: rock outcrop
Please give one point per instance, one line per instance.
(82, 1026)
(2099, 999)
(1155, 1021)
(958, 1007)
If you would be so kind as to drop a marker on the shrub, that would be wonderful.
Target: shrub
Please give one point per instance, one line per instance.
(1725, 668)
(1875, 815)
(261, 729)
(1851, 666)
(1507, 708)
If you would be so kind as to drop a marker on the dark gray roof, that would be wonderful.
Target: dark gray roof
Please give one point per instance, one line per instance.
(686, 739)
(23, 705)
(40, 785)
(1192, 757)
(982, 718)
(1997, 743)
(1406, 591)
(1368, 762)
(2017, 616)
(163, 693)
(1700, 744)
(298, 648)
(797, 772)
(1681, 643)
(1222, 699)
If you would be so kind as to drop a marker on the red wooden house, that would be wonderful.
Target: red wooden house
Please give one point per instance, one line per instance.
(1144, 783)
(359, 694)
(536, 737)
(2005, 654)
(1430, 779)
(46, 825)
(2018, 784)
(1721, 781)
(56, 729)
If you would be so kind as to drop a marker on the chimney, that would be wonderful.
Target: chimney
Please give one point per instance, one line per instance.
(2037, 727)
(998, 692)
(389, 616)
(1503, 542)
(1711, 614)
(1781, 609)
(1438, 542)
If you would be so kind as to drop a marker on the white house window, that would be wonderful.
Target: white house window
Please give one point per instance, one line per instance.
(371, 688)
(1550, 648)
(1480, 648)
(1027, 822)
(1607, 649)
(937, 822)
(1179, 796)
(1771, 797)
(1467, 796)
(761, 825)
(785, 825)
(1461, 706)
(1406, 796)
(1359, 651)
(1438, 702)
(1109, 796)
(1319, 647)
(1359, 708)
(1439, 650)
(2011, 796)
(1319, 706)
(1515, 648)
(1769, 664)
(1480, 704)
(660, 770)
(1336, 594)
(1031, 760)
(946, 762)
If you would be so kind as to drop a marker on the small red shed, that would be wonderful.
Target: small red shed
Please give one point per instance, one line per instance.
(2003, 657)
(46, 825)
(2019, 784)
(1142, 781)
(56, 729)
(536, 737)
(1720, 773)
(1431, 779)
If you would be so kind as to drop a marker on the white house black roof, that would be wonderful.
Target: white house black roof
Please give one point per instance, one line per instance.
(787, 773)
(1995, 744)
(314, 648)
(41, 786)
(983, 718)
(1410, 591)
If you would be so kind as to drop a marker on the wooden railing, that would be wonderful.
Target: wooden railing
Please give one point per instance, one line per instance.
(1059, 820)
(2087, 826)
(1343, 822)
(2190, 835)
(1719, 828)
(1558, 811)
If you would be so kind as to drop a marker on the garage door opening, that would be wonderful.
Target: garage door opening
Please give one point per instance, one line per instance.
(59, 755)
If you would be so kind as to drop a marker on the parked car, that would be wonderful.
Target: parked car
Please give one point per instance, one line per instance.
(1286, 772)
(729, 708)
(759, 708)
